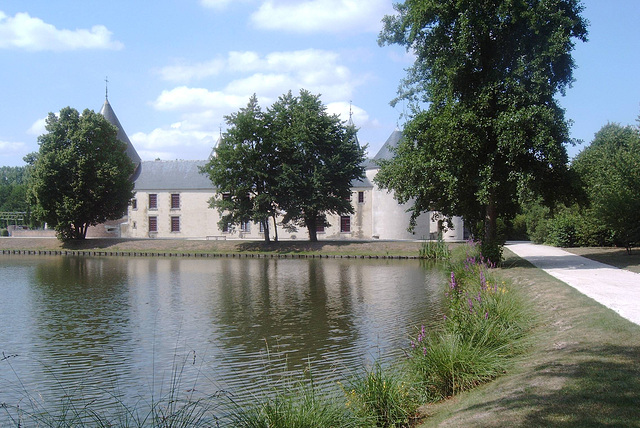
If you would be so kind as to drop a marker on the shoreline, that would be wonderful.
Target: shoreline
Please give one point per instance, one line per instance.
(208, 249)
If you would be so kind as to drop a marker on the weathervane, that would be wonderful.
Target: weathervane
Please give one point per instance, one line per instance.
(106, 88)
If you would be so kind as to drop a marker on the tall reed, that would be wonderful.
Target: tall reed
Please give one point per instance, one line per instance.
(485, 324)
(435, 250)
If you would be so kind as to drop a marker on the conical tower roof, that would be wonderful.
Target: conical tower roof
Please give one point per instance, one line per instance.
(386, 151)
(110, 115)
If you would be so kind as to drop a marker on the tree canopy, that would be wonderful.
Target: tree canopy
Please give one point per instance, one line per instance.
(295, 159)
(244, 169)
(610, 170)
(321, 156)
(485, 125)
(81, 175)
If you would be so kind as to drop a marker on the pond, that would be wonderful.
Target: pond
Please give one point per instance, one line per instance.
(100, 329)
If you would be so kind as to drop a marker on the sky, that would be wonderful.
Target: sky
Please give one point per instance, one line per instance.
(175, 68)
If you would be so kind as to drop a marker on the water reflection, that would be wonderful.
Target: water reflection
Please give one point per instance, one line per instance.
(130, 324)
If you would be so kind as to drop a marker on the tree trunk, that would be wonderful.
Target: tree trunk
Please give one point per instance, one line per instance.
(312, 228)
(275, 228)
(265, 228)
(490, 222)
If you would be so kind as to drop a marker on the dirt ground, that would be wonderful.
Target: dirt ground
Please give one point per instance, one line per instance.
(380, 248)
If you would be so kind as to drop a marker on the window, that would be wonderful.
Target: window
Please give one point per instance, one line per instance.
(319, 227)
(261, 227)
(134, 225)
(226, 228)
(175, 201)
(175, 223)
(226, 196)
(134, 204)
(153, 201)
(153, 224)
(360, 197)
(345, 223)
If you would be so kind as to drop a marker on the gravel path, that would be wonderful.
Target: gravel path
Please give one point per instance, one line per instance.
(614, 288)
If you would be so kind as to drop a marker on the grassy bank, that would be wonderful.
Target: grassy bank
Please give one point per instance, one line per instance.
(583, 369)
(352, 248)
(617, 257)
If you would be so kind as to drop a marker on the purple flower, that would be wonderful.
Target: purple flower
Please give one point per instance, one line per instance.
(486, 315)
(424, 350)
(453, 282)
(483, 280)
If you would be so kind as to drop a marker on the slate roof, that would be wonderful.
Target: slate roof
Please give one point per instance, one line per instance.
(110, 115)
(385, 152)
(364, 183)
(172, 175)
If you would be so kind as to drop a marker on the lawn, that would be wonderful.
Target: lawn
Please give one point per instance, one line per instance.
(194, 246)
(583, 368)
(617, 257)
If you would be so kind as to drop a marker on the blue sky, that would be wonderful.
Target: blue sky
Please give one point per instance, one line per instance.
(176, 67)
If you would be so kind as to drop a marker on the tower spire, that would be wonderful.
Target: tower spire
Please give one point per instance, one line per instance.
(106, 88)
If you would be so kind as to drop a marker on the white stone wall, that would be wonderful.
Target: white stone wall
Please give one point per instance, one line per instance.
(379, 216)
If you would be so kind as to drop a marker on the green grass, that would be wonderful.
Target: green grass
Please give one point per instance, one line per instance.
(384, 396)
(617, 257)
(298, 405)
(486, 324)
(582, 368)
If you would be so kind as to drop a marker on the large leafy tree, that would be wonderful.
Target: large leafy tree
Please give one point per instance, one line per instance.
(320, 157)
(295, 159)
(610, 170)
(488, 72)
(81, 175)
(244, 170)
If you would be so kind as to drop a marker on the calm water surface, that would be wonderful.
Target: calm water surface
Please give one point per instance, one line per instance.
(94, 328)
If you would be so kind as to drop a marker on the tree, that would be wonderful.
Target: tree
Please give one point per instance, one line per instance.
(13, 189)
(320, 157)
(81, 176)
(610, 171)
(493, 129)
(244, 170)
(295, 159)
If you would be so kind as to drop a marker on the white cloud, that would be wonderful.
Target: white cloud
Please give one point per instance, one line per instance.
(217, 4)
(343, 109)
(174, 143)
(238, 76)
(190, 99)
(270, 75)
(306, 64)
(322, 16)
(12, 148)
(38, 127)
(33, 34)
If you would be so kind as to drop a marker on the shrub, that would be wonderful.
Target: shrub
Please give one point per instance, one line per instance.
(536, 219)
(4, 232)
(563, 229)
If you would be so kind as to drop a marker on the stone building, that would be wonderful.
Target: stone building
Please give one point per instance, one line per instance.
(172, 201)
